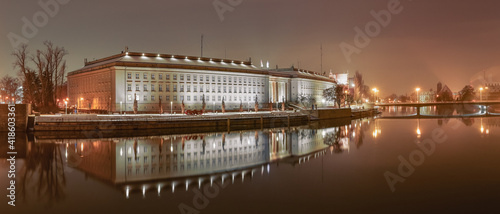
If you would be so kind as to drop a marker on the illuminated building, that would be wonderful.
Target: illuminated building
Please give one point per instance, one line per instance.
(110, 83)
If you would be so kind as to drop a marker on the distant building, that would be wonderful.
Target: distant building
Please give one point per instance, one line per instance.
(114, 82)
(491, 91)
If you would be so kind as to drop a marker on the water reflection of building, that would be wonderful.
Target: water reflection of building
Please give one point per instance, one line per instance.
(140, 163)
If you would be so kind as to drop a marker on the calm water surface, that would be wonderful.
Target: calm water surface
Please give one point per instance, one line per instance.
(433, 166)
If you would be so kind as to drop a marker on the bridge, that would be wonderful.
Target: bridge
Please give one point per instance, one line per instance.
(418, 105)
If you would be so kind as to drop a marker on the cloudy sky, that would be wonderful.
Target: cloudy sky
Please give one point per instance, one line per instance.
(425, 41)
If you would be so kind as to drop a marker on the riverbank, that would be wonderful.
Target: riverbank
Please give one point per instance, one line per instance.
(212, 122)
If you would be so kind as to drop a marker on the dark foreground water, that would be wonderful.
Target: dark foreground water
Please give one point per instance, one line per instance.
(363, 166)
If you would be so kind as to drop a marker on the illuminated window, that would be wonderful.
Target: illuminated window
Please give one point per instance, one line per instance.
(129, 97)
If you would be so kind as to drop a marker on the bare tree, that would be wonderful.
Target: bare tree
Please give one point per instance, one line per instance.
(41, 84)
(10, 87)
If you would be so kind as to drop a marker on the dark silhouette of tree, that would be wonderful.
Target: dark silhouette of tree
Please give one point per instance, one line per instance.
(336, 94)
(467, 93)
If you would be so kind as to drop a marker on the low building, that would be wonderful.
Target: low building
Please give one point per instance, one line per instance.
(112, 83)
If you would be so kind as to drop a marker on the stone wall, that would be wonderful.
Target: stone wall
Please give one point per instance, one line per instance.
(22, 111)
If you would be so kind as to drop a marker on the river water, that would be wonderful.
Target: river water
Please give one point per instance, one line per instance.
(372, 165)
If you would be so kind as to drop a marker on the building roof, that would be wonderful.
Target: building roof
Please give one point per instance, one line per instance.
(135, 59)
(151, 60)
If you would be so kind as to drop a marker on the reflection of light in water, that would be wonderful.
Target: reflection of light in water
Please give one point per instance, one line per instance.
(127, 191)
(482, 129)
(268, 168)
(262, 170)
(211, 181)
(81, 147)
(171, 148)
(487, 131)
(199, 183)
(66, 153)
(243, 177)
(232, 178)
(173, 187)
(121, 152)
(187, 185)
(143, 190)
(159, 189)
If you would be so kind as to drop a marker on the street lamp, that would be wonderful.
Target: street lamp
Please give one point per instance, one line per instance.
(374, 93)
(65, 107)
(418, 100)
(481, 94)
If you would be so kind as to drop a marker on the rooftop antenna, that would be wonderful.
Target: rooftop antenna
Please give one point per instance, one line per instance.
(321, 48)
(201, 45)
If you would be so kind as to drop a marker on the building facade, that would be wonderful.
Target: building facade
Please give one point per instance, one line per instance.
(168, 81)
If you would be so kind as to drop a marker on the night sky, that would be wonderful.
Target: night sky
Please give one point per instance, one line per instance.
(455, 42)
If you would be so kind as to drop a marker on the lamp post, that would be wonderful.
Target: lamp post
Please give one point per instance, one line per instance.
(375, 90)
(65, 107)
(170, 107)
(418, 100)
(121, 107)
(481, 94)
(213, 106)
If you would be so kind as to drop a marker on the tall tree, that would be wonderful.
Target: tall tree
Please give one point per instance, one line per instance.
(335, 94)
(10, 87)
(40, 84)
(467, 93)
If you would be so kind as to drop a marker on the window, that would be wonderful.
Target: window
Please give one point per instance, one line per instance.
(218, 89)
(194, 77)
(167, 88)
(245, 90)
(207, 78)
(167, 98)
(245, 80)
(208, 98)
(137, 75)
(152, 97)
(145, 86)
(175, 98)
(218, 79)
(239, 79)
(224, 89)
(182, 97)
(152, 87)
(194, 98)
(188, 88)
(145, 98)
(167, 76)
(175, 88)
(219, 98)
(129, 75)
(240, 89)
(129, 97)
(188, 98)
(182, 88)
(160, 76)
(152, 76)
(129, 87)
(160, 97)
(201, 78)
(160, 87)
(213, 88)
(181, 76)
(201, 88)
(208, 88)
(230, 79)
(145, 76)
(137, 87)
(224, 79)
(175, 76)
(213, 78)
(188, 77)
(194, 89)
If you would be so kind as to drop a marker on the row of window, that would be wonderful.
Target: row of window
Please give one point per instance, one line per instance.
(195, 77)
(220, 89)
(194, 98)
